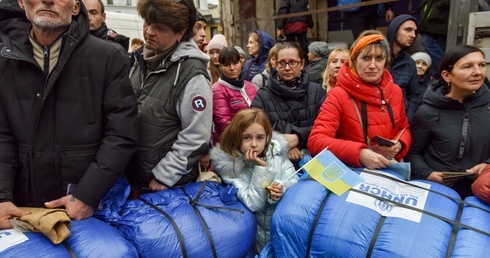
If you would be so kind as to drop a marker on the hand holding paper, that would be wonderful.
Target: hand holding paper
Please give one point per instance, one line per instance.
(382, 141)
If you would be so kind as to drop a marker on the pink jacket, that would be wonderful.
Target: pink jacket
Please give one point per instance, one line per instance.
(338, 126)
(227, 101)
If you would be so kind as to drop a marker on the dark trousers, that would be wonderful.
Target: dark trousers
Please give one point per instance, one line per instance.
(366, 18)
(302, 40)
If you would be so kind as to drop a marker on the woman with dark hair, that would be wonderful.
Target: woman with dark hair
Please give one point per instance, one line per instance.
(290, 100)
(453, 122)
(364, 103)
(230, 93)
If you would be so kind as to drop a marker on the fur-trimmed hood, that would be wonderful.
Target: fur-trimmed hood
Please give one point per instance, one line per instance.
(223, 162)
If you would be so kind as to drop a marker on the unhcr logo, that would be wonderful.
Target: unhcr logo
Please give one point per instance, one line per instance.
(332, 173)
(382, 205)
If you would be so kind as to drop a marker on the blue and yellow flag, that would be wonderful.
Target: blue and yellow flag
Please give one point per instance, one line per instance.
(329, 171)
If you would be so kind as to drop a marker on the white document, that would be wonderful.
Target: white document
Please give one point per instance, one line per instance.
(394, 191)
(11, 237)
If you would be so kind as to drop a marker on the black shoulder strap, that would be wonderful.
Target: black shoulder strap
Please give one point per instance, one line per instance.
(279, 110)
(363, 119)
(264, 80)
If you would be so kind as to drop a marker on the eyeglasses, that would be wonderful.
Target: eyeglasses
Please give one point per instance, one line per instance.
(291, 64)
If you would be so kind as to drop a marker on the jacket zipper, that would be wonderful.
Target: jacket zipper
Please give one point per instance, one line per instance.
(46, 68)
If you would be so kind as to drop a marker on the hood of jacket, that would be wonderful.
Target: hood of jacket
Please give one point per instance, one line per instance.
(434, 96)
(393, 28)
(266, 42)
(223, 161)
(14, 27)
(185, 50)
(13, 21)
(363, 91)
(11, 9)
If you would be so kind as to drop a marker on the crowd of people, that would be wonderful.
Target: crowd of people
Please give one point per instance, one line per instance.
(76, 114)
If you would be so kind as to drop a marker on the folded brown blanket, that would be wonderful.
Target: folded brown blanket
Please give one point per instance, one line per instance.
(53, 223)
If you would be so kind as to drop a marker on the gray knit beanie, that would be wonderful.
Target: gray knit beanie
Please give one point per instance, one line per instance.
(319, 48)
(241, 51)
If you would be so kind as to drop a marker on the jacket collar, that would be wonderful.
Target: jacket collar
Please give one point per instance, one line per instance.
(363, 91)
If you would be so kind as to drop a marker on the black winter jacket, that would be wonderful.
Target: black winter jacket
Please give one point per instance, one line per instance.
(438, 133)
(77, 126)
(294, 6)
(119, 41)
(301, 103)
(424, 83)
(316, 70)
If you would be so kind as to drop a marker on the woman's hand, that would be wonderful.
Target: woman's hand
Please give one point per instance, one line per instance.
(373, 160)
(251, 156)
(295, 154)
(293, 140)
(387, 152)
(476, 170)
(275, 190)
(440, 178)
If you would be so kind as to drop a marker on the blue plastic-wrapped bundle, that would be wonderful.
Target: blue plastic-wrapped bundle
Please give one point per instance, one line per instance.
(111, 204)
(381, 217)
(474, 240)
(202, 219)
(94, 238)
(37, 245)
(89, 238)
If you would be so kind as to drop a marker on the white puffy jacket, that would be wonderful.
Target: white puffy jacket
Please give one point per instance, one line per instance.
(251, 181)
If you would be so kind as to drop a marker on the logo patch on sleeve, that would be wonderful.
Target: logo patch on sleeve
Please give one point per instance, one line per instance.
(199, 103)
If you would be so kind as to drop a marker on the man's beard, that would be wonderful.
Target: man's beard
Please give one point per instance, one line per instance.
(62, 21)
(47, 23)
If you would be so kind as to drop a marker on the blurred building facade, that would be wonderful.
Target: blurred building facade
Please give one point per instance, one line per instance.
(208, 10)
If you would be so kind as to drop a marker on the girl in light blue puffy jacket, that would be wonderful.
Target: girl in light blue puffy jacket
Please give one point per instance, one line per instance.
(255, 160)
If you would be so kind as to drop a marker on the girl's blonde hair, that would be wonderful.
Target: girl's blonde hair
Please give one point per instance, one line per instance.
(231, 138)
(326, 74)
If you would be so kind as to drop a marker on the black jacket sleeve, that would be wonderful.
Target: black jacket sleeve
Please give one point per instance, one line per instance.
(120, 134)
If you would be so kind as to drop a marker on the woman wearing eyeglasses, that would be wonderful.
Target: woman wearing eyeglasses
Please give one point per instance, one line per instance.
(364, 103)
(290, 100)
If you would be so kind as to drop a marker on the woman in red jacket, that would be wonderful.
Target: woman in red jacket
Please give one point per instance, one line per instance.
(366, 103)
